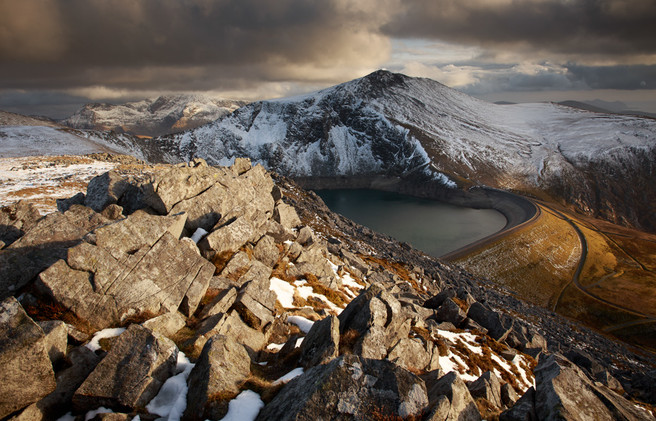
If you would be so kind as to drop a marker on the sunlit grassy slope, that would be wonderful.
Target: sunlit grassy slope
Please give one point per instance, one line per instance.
(615, 290)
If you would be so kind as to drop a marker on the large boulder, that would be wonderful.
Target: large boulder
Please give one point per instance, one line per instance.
(564, 391)
(498, 326)
(488, 387)
(131, 373)
(350, 387)
(377, 321)
(15, 220)
(231, 325)
(410, 353)
(463, 407)
(137, 267)
(45, 243)
(104, 190)
(221, 369)
(321, 344)
(27, 373)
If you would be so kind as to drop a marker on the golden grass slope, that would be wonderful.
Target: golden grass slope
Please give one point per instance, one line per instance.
(615, 290)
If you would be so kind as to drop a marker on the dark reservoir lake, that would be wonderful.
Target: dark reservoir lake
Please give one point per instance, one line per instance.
(434, 227)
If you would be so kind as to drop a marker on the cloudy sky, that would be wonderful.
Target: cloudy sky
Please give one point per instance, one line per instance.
(57, 54)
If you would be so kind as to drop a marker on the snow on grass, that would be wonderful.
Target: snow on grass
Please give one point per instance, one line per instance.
(304, 324)
(171, 400)
(284, 292)
(244, 407)
(94, 343)
(275, 347)
(45, 179)
(289, 376)
(455, 362)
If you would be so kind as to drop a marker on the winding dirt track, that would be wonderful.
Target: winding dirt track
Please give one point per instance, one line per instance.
(576, 279)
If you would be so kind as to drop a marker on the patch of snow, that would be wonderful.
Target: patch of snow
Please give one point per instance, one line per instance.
(171, 400)
(284, 292)
(94, 343)
(244, 407)
(304, 324)
(275, 347)
(20, 141)
(289, 376)
(93, 413)
(198, 235)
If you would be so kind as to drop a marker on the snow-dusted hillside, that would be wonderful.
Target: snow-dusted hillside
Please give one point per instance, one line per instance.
(153, 117)
(393, 125)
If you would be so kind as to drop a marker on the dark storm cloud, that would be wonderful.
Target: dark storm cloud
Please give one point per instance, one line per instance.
(606, 27)
(615, 77)
(82, 42)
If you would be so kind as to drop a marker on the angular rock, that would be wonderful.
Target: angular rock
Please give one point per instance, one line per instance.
(220, 304)
(241, 165)
(488, 387)
(321, 344)
(103, 284)
(499, 327)
(349, 387)
(256, 303)
(44, 244)
(266, 251)
(167, 324)
(16, 219)
(449, 311)
(228, 237)
(56, 404)
(305, 236)
(463, 407)
(65, 204)
(508, 395)
(563, 390)
(56, 339)
(230, 325)
(436, 301)
(410, 354)
(131, 373)
(286, 216)
(104, 190)
(27, 374)
(221, 369)
(440, 411)
(523, 409)
(377, 318)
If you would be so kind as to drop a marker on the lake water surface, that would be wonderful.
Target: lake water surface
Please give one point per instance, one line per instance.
(434, 227)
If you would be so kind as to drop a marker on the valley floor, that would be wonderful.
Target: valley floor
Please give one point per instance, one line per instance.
(596, 272)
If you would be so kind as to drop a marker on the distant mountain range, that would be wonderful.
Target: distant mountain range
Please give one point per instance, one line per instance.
(419, 135)
(153, 117)
(398, 127)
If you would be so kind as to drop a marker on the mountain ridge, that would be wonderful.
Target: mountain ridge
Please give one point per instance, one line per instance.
(395, 126)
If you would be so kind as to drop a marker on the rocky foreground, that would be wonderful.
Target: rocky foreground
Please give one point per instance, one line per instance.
(192, 292)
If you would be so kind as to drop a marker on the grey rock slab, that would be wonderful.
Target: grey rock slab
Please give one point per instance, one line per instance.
(508, 395)
(449, 311)
(27, 374)
(219, 304)
(104, 190)
(564, 391)
(167, 324)
(349, 387)
(321, 344)
(16, 219)
(487, 386)
(221, 369)
(102, 290)
(266, 251)
(436, 301)
(499, 327)
(229, 237)
(45, 243)
(410, 353)
(286, 216)
(56, 339)
(463, 407)
(231, 325)
(523, 409)
(131, 373)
